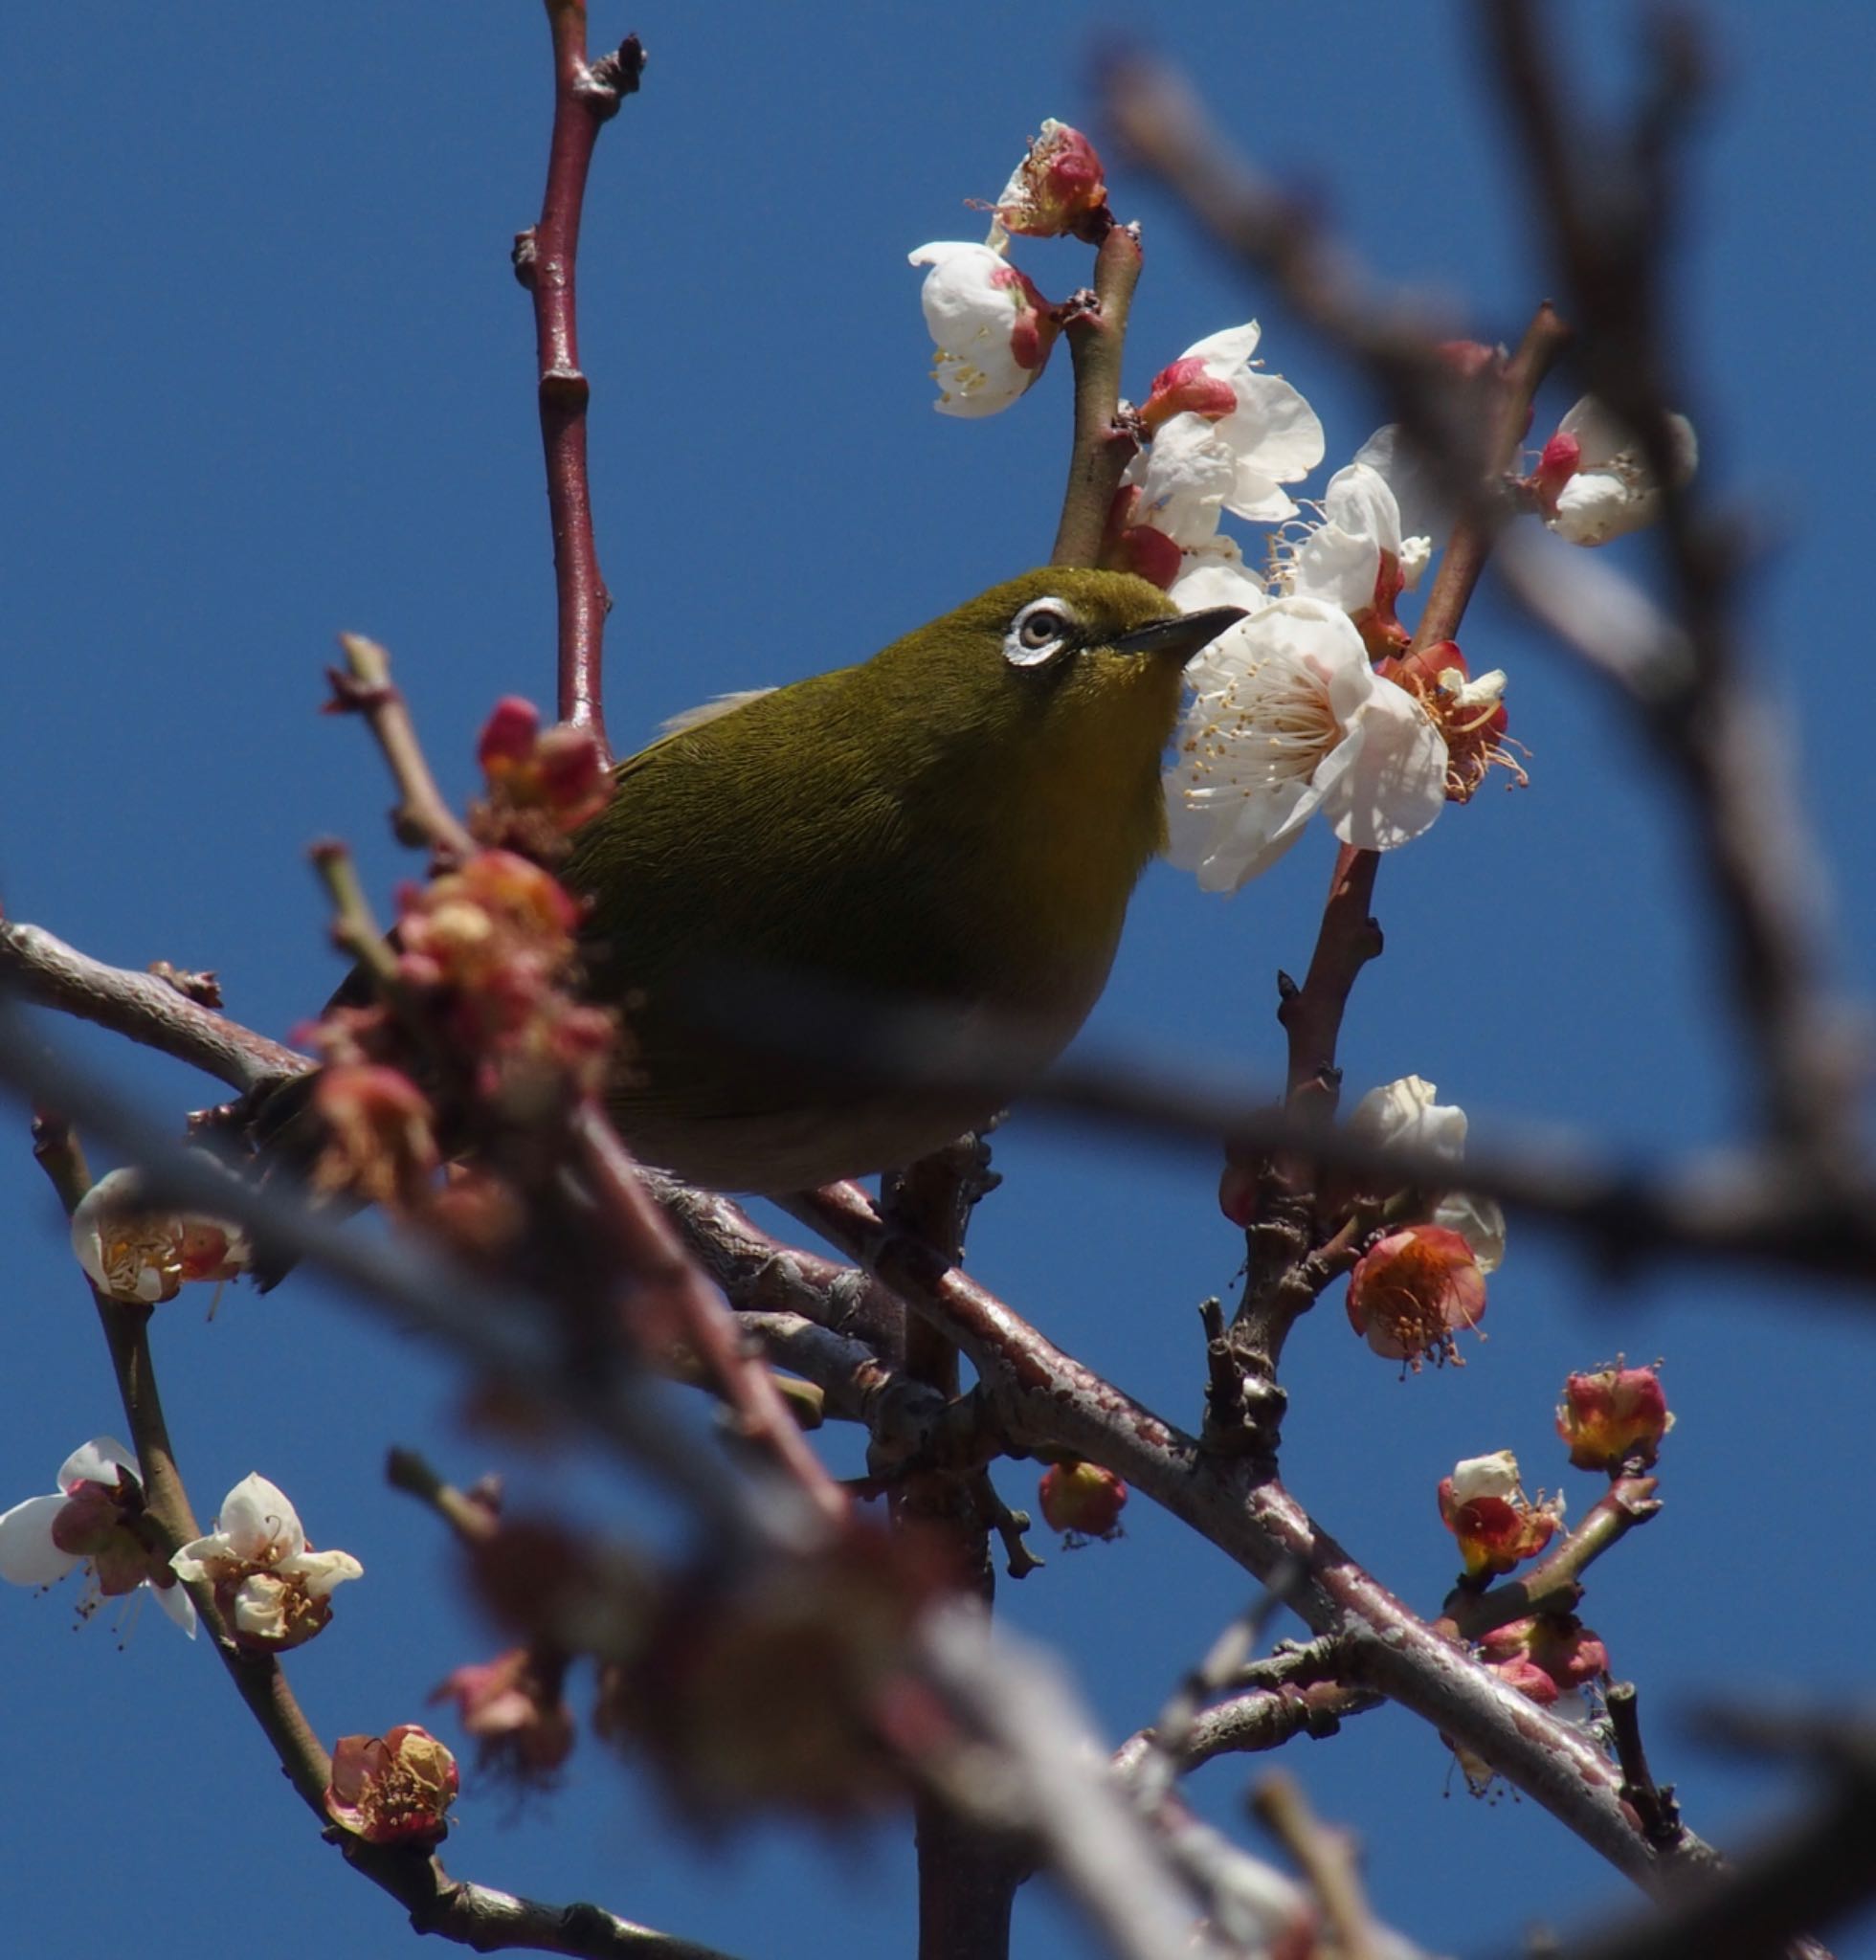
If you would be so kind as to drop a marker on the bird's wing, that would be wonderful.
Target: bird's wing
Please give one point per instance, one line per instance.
(710, 710)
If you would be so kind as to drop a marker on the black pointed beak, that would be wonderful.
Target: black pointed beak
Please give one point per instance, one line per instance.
(1182, 637)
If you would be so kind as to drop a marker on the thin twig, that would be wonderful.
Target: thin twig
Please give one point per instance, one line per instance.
(1325, 1860)
(1554, 1584)
(545, 259)
(1653, 1802)
(421, 815)
(657, 1261)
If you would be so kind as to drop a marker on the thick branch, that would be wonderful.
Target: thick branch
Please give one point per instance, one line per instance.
(1097, 339)
(149, 1011)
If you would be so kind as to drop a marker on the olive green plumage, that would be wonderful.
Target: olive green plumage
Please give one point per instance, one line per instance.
(956, 823)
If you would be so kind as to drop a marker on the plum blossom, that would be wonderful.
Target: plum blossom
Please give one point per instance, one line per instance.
(1412, 1290)
(1592, 482)
(140, 1255)
(1057, 188)
(1356, 558)
(1408, 1112)
(92, 1520)
(512, 1705)
(272, 1586)
(1289, 717)
(392, 1789)
(993, 330)
(1483, 1505)
(1225, 436)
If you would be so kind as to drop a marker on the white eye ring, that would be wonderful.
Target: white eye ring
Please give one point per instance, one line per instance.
(1038, 632)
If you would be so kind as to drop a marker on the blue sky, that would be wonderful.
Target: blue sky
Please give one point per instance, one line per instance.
(269, 377)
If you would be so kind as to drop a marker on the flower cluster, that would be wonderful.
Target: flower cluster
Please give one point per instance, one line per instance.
(1317, 700)
(1413, 1291)
(1423, 1279)
(272, 1587)
(543, 784)
(484, 976)
(1545, 1657)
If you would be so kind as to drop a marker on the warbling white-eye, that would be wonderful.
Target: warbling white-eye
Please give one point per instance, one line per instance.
(954, 826)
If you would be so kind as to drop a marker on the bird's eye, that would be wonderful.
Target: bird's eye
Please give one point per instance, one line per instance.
(1038, 632)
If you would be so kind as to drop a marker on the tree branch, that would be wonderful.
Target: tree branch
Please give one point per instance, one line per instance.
(1097, 340)
(546, 258)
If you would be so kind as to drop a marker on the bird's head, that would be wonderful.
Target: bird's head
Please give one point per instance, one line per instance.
(1075, 671)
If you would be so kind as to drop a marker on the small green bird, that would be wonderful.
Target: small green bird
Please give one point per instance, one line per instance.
(954, 826)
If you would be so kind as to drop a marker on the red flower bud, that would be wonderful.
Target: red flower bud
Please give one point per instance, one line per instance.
(1081, 1500)
(1613, 1419)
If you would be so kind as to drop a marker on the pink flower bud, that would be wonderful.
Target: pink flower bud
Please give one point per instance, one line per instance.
(1057, 188)
(1556, 1646)
(1190, 385)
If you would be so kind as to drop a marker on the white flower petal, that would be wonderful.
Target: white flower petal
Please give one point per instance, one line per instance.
(1597, 506)
(1392, 783)
(97, 1462)
(1276, 435)
(321, 1571)
(259, 1607)
(1207, 580)
(1478, 1221)
(178, 1605)
(1422, 511)
(1184, 479)
(258, 1521)
(1493, 1476)
(1227, 851)
(200, 1557)
(1220, 352)
(27, 1556)
(1407, 1112)
(971, 305)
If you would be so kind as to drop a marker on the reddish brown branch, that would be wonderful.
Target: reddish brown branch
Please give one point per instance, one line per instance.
(1348, 939)
(1470, 546)
(1097, 339)
(1043, 1398)
(586, 94)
